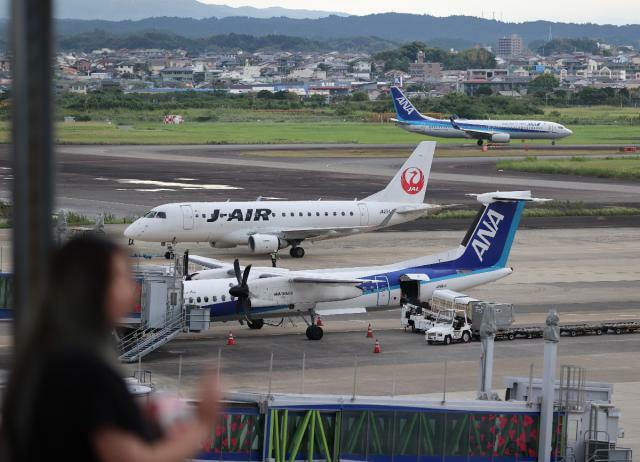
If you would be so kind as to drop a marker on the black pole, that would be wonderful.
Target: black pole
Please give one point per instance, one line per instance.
(31, 41)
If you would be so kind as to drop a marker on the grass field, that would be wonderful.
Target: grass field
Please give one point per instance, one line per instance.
(610, 167)
(288, 132)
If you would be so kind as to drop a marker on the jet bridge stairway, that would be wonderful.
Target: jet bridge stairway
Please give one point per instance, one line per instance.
(143, 341)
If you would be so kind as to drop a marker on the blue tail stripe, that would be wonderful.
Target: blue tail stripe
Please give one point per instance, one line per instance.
(404, 109)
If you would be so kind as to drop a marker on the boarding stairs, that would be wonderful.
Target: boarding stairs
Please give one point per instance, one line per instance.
(143, 341)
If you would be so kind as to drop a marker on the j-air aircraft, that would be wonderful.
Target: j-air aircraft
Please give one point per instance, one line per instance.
(268, 226)
(233, 293)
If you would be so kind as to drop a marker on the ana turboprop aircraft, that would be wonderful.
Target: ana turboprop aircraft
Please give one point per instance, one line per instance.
(494, 131)
(267, 226)
(263, 292)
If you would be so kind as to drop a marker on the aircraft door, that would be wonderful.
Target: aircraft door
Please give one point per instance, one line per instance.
(364, 214)
(187, 217)
(384, 291)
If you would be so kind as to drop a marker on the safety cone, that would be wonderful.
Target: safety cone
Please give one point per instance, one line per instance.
(319, 321)
(230, 340)
(376, 347)
(369, 331)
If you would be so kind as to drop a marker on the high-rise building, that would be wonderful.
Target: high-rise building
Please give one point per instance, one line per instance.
(509, 47)
(425, 72)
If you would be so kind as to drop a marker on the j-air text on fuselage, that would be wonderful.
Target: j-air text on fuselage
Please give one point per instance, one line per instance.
(268, 226)
(230, 292)
(493, 131)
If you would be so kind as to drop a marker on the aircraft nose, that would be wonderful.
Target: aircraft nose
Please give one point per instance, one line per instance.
(132, 230)
(568, 132)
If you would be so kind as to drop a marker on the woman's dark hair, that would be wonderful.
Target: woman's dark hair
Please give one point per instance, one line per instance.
(72, 314)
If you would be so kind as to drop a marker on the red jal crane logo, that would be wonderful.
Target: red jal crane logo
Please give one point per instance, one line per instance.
(412, 180)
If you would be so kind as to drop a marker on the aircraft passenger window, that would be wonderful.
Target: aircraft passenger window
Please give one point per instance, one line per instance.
(223, 298)
(326, 214)
(342, 213)
(163, 215)
(335, 214)
(198, 299)
(273, 215)
(351, 213)
(284, 214)
(196, 215)
(293, 214)
(190, 300)
(317, 214)
(150, 214)
(214, 299)
(206, 299)
(309, 213)
(301, 214)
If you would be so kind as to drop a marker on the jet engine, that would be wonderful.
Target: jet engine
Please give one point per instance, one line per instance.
(500, 138)
(265, 243)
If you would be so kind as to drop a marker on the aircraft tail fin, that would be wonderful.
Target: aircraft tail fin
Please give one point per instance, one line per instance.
(489, 238)
(410, 182)
(405, 110)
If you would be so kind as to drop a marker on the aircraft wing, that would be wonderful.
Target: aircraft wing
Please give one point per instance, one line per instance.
(312, 233)
(210, 263)
(475, 133)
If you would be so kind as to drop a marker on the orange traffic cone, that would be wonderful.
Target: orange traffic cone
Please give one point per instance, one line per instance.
(369, 331)
(319, 321)
(376, 347)
(230, 340)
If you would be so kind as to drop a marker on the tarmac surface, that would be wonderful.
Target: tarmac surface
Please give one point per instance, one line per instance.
(128, 180)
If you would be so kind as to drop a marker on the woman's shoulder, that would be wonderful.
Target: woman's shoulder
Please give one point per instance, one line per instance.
(79, 364)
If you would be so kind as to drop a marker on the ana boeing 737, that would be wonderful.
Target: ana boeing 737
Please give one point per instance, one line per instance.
(230, 293)
(493, 131)
(268, 226)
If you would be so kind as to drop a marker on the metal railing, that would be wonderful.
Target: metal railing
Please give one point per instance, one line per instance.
(144, 340)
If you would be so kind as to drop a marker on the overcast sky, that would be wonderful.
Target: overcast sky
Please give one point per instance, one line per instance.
(596, 11)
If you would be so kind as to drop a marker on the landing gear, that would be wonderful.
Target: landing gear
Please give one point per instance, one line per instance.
(131, 242)
(296, 252)
(170, 254)
(480, 142)
(255, 323)
(314, 332)
(553, 143)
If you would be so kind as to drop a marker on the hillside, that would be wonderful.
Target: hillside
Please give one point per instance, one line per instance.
(390, 26)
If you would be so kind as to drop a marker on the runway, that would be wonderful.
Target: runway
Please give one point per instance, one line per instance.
(128, 180)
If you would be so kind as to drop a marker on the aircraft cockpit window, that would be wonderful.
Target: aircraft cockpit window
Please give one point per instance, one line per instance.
(150, 214)
(161, 215)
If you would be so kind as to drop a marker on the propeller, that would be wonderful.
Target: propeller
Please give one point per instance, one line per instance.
(241, 290)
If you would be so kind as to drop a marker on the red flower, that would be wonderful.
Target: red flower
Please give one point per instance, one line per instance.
(481, 436)
(483, 418)
(502, 422)
(234, 442)
(501, 440)
(234, 426)
(512, 434)
(520, 442)
(224, 443)
(533, 434)
(492, 430)
(514, 419)
(527, 420)
(533, 452)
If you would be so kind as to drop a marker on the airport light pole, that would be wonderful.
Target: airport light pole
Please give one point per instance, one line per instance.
(551, 338)
(32, 154)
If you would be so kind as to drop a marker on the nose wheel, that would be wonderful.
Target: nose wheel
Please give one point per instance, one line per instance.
(479, 142)
(296, 252)
(314, 332)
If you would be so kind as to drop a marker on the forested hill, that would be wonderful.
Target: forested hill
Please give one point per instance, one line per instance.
(461, 30)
